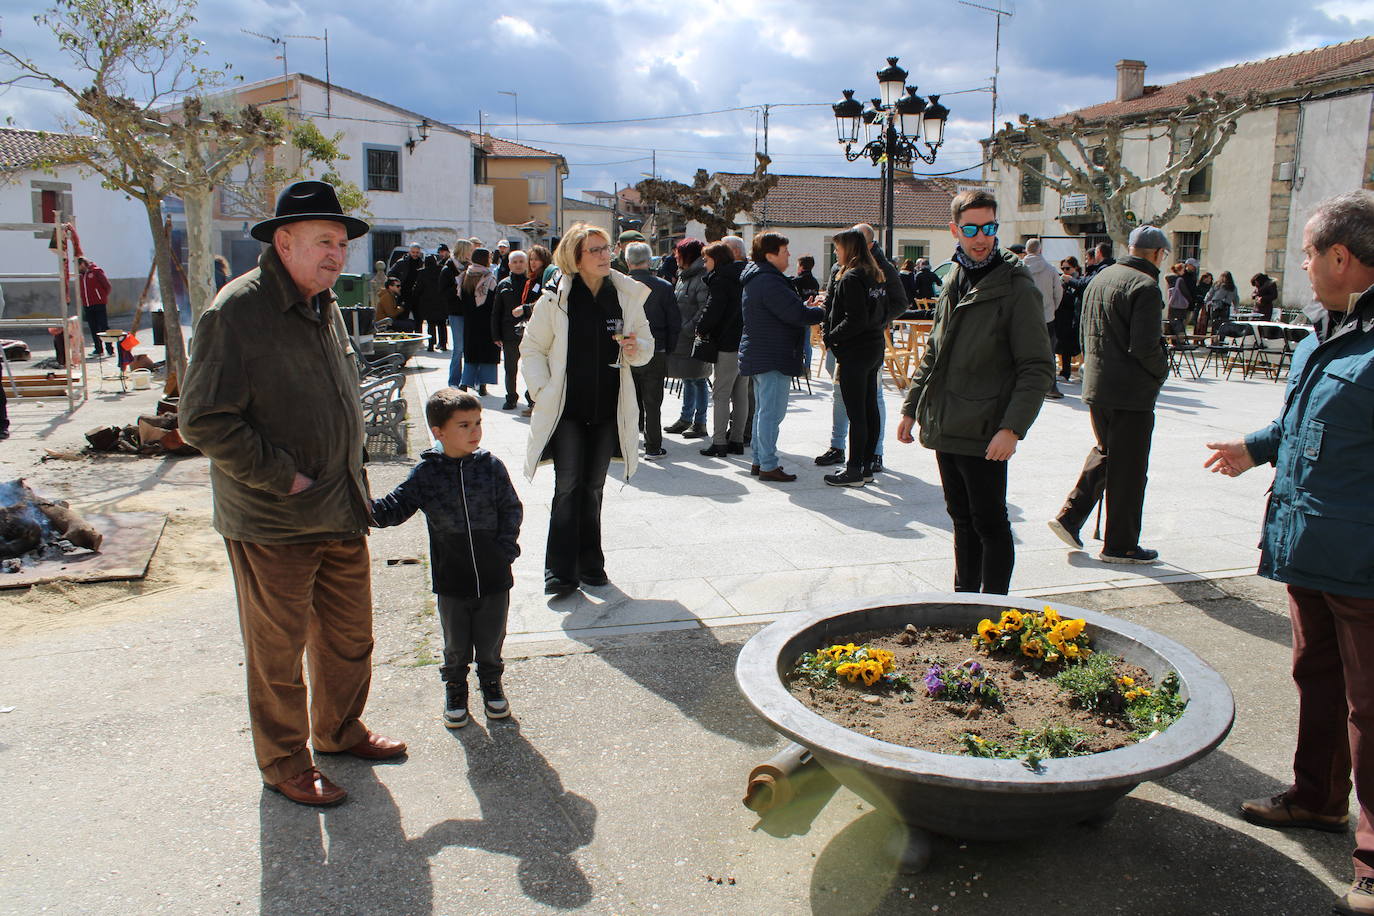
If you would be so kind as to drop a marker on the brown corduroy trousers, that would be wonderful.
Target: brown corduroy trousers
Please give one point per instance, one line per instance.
(314, 600)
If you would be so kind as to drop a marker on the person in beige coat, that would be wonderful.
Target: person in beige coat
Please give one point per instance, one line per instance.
(576, 356)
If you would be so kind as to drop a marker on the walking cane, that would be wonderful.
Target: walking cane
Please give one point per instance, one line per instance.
(1097, 527)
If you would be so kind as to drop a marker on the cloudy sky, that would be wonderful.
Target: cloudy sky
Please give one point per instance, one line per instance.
(658, 79)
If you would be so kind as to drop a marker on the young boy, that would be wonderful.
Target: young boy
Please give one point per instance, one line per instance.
(474, 518)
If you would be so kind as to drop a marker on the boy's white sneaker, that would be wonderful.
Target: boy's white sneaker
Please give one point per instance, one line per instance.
(494, 701)
(456, 705)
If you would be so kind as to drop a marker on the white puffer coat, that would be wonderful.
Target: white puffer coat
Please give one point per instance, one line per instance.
(544, 363)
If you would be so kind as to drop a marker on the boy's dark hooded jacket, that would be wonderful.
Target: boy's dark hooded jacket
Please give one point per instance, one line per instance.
(474, 518)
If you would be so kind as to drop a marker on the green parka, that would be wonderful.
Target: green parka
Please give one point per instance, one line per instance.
(987, 363)
(1124, 364)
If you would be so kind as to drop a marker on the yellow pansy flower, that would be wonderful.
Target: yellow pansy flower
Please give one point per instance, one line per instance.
(1125, 681)
(1033, 648)
(849, 670)
(1072, 629)
(1011, 619)
(1070, 650)
(1051, 616)
(988, 630)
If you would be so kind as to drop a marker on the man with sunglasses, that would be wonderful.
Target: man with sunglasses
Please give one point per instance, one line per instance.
(979, 387)
(1124, 366)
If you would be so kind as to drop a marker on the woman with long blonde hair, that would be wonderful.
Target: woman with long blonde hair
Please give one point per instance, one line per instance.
(854, 332)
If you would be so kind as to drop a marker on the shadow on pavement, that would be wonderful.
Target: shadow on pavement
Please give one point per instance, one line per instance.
(709, 697)
(1150, 858)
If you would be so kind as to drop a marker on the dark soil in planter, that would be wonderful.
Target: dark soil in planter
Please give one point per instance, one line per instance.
(1029, 698)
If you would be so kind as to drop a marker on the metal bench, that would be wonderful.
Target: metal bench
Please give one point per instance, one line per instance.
(385, 409)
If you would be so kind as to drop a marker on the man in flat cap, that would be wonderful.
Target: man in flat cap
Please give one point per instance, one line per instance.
(1124, 366)
(271, 397)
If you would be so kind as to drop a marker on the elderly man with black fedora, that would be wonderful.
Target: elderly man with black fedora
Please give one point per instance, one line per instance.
(271, 397)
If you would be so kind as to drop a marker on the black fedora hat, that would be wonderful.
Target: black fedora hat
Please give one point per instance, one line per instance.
(308, 200)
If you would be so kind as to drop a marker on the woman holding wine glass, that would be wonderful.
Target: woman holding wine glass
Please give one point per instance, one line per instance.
(585, 412)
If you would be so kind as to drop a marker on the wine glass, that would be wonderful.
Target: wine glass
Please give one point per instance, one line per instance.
(617, 328)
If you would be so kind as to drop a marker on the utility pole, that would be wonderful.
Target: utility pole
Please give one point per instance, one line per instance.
(276, 40)
(997, 12)
(516, 96)
(763, 211)
(328, 94)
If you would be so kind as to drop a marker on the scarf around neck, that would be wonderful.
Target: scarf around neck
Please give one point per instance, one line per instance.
(964, 261)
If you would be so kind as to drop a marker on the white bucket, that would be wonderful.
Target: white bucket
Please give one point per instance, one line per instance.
(142, 378)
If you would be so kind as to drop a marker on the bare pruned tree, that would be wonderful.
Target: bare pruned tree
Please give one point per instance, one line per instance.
(1089, 155)
(710, 202)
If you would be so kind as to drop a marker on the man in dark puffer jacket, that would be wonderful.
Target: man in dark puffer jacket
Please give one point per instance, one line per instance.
(474, 517)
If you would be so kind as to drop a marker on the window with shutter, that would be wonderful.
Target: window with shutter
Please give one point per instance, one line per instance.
(1032, 188)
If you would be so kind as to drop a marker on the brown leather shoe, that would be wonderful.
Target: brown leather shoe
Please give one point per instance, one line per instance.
(310, 788)
(777, 475)
(754, 470)
(1278, 812)
(375, 747)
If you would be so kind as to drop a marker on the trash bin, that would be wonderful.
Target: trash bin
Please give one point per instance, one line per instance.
(351, 290)
(358, 320)
(159, 329)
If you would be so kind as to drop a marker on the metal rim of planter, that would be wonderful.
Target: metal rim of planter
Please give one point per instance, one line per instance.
(1203, 725)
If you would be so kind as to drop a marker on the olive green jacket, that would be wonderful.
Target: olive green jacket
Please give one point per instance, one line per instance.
(987, 364)
(272, 390)
(1124, 364)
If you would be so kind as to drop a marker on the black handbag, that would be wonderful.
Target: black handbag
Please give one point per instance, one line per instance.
(704, 350)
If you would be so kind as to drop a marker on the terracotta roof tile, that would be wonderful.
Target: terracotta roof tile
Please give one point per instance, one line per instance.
(1272, 74)
(836, 200)
(20, 149)
(509, 149)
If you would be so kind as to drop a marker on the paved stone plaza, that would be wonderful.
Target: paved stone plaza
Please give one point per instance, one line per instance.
(616, 786)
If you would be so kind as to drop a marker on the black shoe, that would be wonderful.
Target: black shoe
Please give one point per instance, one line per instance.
(456, 704)
(831, 456)
(430, 348)
(754, 470)
(1068, 535)
(510, 403)
(735, 448)
(677, 427)
(494, 701)
(716, 451)
(4, 433)
(1134, 555)
(596, 578)
(849, 477)
(558, 587)
(653, 454)
(462, 387)
(1054, 393)
(482, 390)
(443, 349)
(874, 467)
(696, 431)
(96, 353)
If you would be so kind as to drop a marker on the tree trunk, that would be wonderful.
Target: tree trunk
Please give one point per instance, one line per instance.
(200, 271)
(171, 315)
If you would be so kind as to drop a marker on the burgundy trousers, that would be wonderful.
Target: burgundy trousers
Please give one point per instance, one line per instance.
(314, 600)
(1333, 667)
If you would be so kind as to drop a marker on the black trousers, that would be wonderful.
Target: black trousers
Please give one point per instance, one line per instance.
(473, 628)
(97, 319)
(438, 332)
(1116, 466)
(649, 392)
(859, 391)
(510, 358)
(976, 499)
(581, 456)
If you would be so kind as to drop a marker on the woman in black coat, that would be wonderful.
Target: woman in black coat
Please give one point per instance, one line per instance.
(722, 324)
(854, 331)
(475, 300)
(508, 317)
(1066, 316)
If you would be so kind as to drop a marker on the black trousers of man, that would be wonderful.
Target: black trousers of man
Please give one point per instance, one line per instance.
(1116, 467)
(976, 499)
(649, 391)
(510, 358)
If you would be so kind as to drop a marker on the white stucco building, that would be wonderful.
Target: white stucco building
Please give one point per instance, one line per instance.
(1309, 136)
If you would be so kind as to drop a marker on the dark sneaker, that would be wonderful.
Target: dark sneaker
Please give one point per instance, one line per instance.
(1066, 534)
(494, 701)
(696, 431)
(1134, 555)
(831, 456)
(1279, 813)
(456, 704)
(677, 427)
(510, 404)
(874, 467)
(1358, 901)
(715, 451)
(597, 577)
(1054, 393)
(849, 477)
(735, 448)
(652, 454)
(754, 470)
(558, 587)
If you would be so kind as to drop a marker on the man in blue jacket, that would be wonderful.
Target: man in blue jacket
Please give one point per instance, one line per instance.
(776, 323)
(1318, 536)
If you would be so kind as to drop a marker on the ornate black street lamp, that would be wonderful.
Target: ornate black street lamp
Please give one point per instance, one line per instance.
(902, 124)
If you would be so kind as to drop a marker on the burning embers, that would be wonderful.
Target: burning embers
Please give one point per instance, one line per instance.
(33, 529)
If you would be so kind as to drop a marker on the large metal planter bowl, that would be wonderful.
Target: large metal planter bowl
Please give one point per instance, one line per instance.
(969, 797)
(391, 342)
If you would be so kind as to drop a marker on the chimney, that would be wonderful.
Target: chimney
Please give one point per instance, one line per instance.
(1130, 80)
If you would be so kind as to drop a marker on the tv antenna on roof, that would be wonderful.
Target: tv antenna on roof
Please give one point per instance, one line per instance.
(276, 40)
(328, 95)
(998, 12)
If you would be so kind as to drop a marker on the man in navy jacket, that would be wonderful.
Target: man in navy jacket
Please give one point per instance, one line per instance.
(1318, 536)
